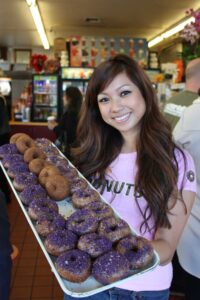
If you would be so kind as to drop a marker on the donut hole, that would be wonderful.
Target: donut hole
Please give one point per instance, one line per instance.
(72, 258)
(113, 227)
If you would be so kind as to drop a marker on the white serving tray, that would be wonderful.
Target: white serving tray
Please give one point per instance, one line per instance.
(90, 286)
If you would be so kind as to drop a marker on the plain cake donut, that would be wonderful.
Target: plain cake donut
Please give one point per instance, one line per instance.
(57, 187)
(32, 153)
(37, 164)
(16, 136)
(23, 143)
(47, 172)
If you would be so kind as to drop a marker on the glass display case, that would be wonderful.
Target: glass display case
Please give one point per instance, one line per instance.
(46, 97)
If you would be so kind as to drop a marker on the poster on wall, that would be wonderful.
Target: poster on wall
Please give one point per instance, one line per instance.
(90, 51)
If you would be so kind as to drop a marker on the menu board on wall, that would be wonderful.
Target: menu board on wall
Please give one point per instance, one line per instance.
(90, 51)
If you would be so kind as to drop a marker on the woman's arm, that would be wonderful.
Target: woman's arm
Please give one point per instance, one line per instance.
(166, 240)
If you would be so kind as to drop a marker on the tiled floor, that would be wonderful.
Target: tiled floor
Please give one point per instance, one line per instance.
(32, 278)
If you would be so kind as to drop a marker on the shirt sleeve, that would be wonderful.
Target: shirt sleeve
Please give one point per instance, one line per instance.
(186, 172)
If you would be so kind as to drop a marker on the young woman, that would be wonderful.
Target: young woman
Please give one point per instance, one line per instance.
(65, 130)
(126, 150)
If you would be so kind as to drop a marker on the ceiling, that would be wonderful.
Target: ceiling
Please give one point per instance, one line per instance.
(62, 18)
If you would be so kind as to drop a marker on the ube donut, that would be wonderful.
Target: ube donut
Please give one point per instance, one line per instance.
(46, 172)
(8, 149)
(32, 192)
(16, 136)
(114, 229)
(81, 198)
(82, 221)
(8, 159)
(137, 250)
(57, 160)
(110, 267)
(68, 172)
(78, 183)
(23, 143)
(47, 146)
(43, 142)
(16, 168)
(41, 206)
(24, 179)
(60, 241)
(37, 164)
(74, 265)
(32, 153)
(50, 222)
(57, 187)
(94, 244)
(101, 209)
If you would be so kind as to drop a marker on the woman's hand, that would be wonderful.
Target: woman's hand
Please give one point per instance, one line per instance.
(52, 124)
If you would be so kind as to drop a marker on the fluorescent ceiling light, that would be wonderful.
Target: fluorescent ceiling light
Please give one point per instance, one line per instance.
(170, 32)
(38, 22)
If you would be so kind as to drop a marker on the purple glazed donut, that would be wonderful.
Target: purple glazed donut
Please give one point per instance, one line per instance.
(74, 265)
(94, 244)
(82, 221)
(110, 267)
(32, 192)
(8, 149)
(17, 168)
(41, 206)
(137, 250)
(81, 198)
(50, 222)
(68, 172)
(47, 146)
(78, 183)
(114, 229)
(60, 241)
(22, 180)
(9, 159)
(57, 160)
(101, 209)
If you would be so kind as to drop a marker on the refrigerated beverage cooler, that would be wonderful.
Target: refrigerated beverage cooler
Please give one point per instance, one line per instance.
(78, 77)
(47, 100)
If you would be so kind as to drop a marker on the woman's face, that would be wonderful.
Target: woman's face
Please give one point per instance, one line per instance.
(121, 105)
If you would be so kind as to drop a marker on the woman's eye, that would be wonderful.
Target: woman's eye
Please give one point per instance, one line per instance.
(104, 99)
(124, 93)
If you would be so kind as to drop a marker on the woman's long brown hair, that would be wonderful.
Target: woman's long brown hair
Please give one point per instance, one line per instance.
(100, 144)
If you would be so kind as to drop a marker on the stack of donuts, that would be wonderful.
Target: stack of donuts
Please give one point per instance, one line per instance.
(92, 240)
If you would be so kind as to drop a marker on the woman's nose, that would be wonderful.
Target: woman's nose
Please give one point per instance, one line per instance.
(116, 105)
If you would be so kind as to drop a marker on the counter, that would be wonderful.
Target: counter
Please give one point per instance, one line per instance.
(34, 129)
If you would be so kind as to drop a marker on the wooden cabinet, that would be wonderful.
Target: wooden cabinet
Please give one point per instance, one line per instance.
(34, 129)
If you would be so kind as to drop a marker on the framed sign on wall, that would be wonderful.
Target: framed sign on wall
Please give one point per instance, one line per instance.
(22, 56)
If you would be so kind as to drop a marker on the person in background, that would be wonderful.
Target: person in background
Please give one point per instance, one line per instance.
(5, 251)
(65, 130)
(176, 104)
(4, 139)
(187, 132)
(126, 142)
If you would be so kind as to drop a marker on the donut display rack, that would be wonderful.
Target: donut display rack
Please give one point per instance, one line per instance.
(90, 286)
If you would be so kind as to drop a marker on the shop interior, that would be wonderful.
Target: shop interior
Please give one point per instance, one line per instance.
(77, 36)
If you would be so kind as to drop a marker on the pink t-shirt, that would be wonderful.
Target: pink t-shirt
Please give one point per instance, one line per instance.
(119, 192)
